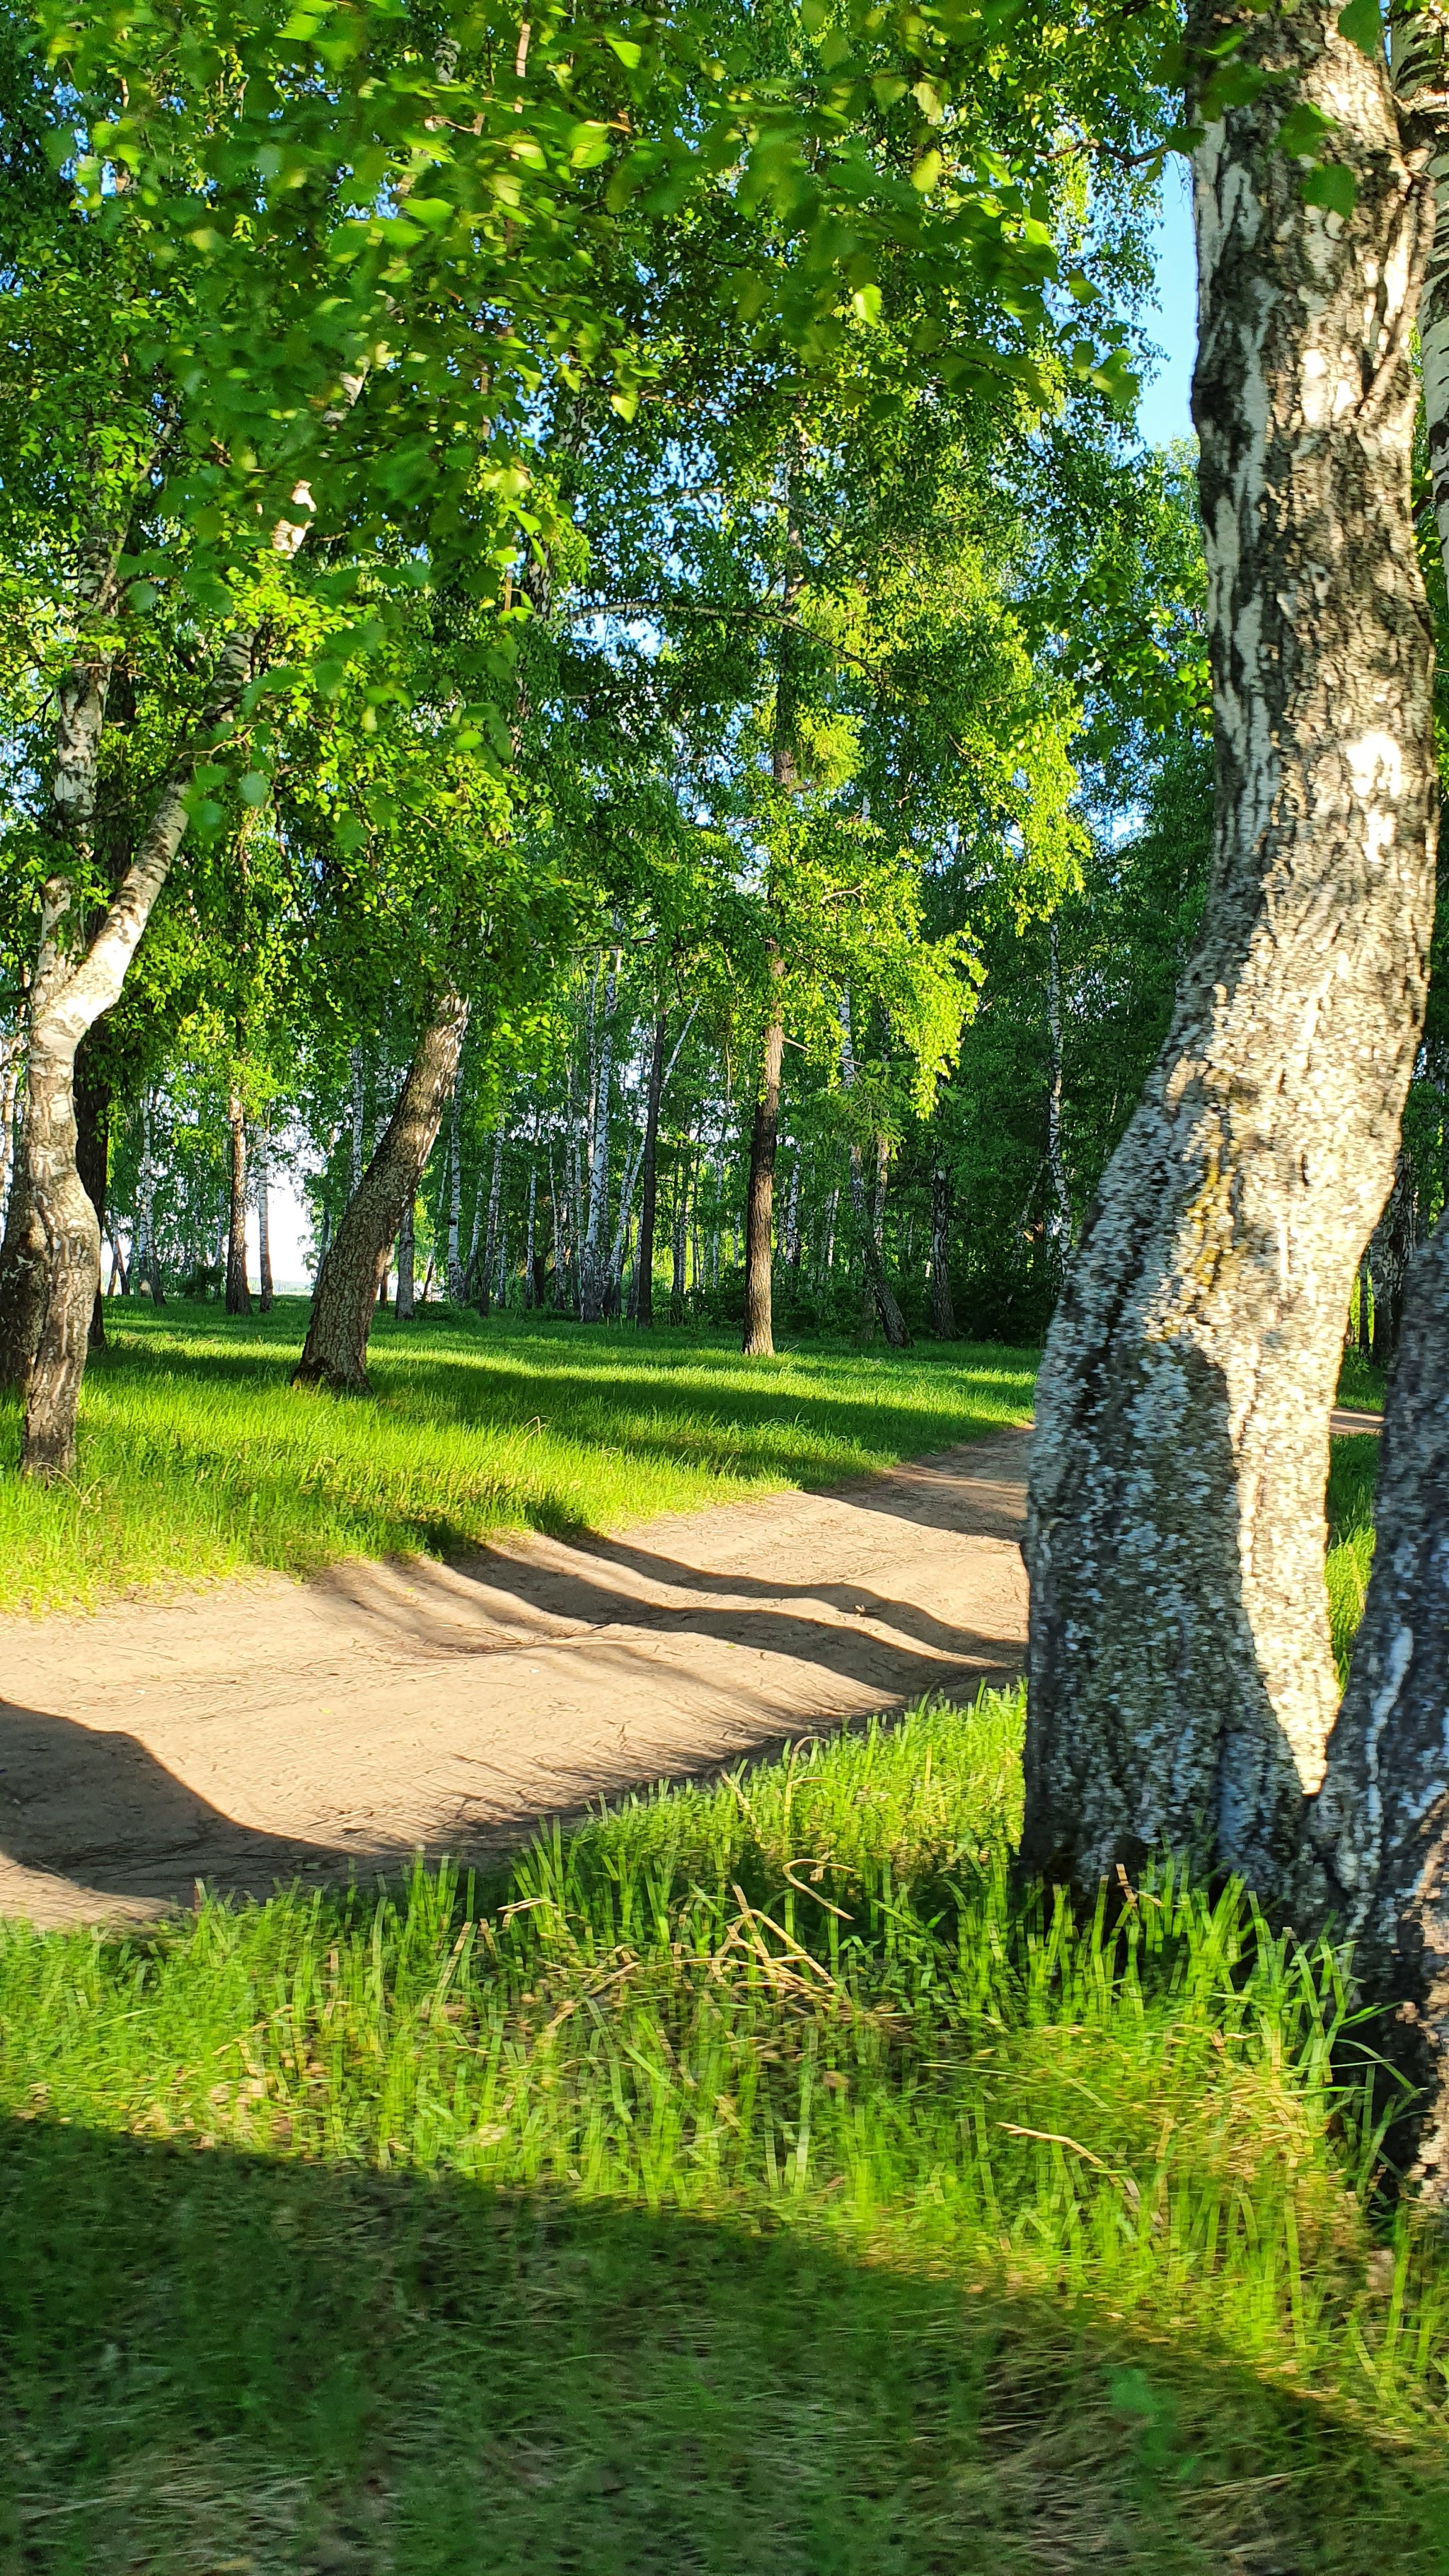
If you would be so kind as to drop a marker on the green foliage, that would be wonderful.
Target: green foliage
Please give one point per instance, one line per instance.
(618, 2211)
(198, 1460)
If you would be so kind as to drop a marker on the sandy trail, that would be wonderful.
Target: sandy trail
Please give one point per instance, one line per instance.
(272, 1729)
(269, 1730)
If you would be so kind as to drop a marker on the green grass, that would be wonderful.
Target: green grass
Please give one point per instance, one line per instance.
(1352, 1475)
(198, 1460)
(749, 2181)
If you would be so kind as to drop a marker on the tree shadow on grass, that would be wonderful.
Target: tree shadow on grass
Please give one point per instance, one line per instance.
(213, 2360)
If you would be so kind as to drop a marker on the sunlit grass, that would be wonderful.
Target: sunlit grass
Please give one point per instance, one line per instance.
(558, 2222)
(197, 1459)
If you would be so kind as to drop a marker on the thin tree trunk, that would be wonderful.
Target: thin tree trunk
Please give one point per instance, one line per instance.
(147, 1264)
(1059, 1222)
(677, 1282)
(594, 1279)
(880, 1295)
(358, 1104)
(454, 1273)
(9, 1093)
(406, 1255)
(92, 1161)
(1181, 1684)
(943, 1312)
(529, 1297)
(238, 1294)
(759, 1333)
(264, 1225)
(335, 1353)
(486, 1289)
(644, 1270)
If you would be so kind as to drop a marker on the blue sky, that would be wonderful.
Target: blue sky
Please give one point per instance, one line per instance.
(1164, 411)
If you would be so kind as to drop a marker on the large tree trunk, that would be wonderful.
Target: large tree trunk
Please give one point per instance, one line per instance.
(1381, 1822)
(1390, 1252)
(335, 1351)
(1181, 1685)
(943, 1312)
(238, 1294)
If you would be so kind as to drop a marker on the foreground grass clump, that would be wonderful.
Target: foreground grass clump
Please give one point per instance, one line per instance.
(749, 2180)
(197, 1459)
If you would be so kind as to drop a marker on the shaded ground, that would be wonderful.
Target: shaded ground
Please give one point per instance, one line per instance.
(268, 1728)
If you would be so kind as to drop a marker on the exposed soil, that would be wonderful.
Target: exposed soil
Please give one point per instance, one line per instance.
(269, 1730)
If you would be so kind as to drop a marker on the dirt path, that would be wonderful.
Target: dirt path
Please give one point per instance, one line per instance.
(270, 1729)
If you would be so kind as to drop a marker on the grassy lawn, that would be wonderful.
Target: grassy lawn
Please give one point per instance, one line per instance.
(751, 2181)
(197, 1459)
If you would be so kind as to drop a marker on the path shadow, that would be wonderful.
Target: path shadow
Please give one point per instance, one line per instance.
(220, 2360)
(93, 1807)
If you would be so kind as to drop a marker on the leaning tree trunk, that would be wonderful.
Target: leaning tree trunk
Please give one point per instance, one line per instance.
(1181, 1685)
(335, 1352)
(759, 1334)
(943, 1312)
(238, 1294)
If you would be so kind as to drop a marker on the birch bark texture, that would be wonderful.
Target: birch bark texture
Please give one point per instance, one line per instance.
(1181, 1685)
(1381, 1822)
(334, 1354)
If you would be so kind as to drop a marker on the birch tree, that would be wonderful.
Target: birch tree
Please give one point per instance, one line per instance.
(1181, 1684)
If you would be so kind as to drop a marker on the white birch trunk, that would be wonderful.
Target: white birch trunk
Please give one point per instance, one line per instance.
(1181, 1684)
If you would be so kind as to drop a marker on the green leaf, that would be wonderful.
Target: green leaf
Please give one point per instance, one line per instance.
(589, 145)
(1302, 131)
(1362, 23)
(630, 54)
(255, 788)
(1332, 186)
